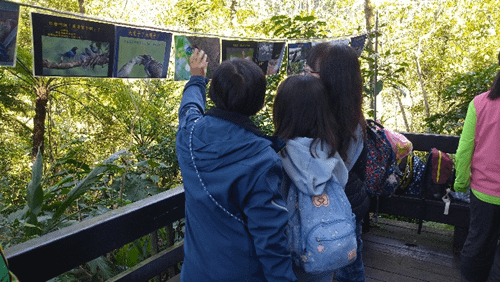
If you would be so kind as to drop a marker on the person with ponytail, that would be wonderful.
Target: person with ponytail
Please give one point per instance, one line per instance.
(338, 68)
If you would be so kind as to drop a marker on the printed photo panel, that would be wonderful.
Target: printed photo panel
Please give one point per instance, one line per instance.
(9, 20)
(239, 49)
(358, 43)
(270, 56)
(141, 53)
(184, 47)
(297, 55)
(267, 55)
(72, 47)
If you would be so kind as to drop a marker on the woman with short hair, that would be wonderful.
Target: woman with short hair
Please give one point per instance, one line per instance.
(235, 215)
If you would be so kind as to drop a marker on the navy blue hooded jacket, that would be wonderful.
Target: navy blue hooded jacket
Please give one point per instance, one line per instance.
(235, 215)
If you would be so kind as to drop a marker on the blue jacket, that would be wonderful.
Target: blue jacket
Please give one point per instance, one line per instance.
(235, 215)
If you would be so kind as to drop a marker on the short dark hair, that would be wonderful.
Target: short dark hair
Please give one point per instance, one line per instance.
(301, 110)
(239, 86)
(339, 69)
(495, 88)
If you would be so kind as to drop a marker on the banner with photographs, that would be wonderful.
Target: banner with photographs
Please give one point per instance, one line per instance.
(71, 47)
(184, 47)
(74, 47)
(297, 55)
(9, 21)
(141, 53)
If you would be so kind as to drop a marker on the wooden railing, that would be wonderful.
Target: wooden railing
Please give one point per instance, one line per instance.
(55, 253)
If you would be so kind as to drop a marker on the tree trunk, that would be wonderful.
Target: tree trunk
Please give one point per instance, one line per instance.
(42, 98)
(424, 93)
(402, 111)
(82, 7)
(234, 3)
(369, 14)
(370, 23)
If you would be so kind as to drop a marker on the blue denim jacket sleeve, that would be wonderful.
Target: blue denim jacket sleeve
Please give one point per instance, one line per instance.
(267, 218)
(193, 100)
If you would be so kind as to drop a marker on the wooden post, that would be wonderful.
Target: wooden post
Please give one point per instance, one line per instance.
(154, 249)
(170, 241)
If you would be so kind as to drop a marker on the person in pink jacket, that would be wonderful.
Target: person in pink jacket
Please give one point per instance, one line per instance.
(478, 167)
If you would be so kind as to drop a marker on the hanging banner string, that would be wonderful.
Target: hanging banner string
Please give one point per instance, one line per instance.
(94, 18)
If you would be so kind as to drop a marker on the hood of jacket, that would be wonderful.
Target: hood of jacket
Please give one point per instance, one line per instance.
(224, 138)
(311, 174)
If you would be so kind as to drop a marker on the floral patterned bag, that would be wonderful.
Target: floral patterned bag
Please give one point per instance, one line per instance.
(382, 172)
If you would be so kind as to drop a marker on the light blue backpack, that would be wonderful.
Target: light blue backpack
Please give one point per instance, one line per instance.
(321, 229)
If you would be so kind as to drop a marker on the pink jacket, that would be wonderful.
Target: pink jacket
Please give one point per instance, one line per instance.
(485, 166)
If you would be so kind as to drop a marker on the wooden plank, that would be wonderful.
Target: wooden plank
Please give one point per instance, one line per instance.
(432, 239)
(430, 271)
(417, 252)
(388, 256)
(176, 278)
(55, 253)
(376, 275)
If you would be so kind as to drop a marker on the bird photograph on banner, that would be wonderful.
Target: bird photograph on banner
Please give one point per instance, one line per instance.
(89, 58)
(141, 53)
(270, 56)
(297, 54)
(184, 47)
(71, 47)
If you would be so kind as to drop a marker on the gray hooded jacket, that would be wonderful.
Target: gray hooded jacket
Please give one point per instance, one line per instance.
(311, 174)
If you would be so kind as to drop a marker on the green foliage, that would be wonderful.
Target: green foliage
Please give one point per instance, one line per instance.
(133, 253)
(300, 26)
(35, 192)
(460, 92)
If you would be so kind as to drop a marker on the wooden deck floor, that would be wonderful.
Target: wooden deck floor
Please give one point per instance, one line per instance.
(394, 252)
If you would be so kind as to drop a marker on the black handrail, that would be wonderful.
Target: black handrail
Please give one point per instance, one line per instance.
(57, 252)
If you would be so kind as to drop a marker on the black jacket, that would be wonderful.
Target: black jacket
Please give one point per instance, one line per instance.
(355, 189)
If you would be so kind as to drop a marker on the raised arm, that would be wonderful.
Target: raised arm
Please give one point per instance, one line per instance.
(193, 97)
